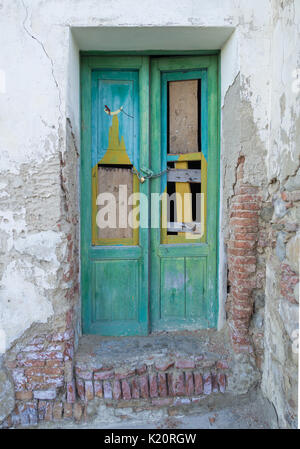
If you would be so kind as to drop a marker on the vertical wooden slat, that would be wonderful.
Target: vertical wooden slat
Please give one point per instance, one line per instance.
(184, 210)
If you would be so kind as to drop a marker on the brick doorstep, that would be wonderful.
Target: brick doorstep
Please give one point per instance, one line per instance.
(154, 388)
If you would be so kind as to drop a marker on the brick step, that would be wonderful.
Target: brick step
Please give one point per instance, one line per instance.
(150, 373)
(158, 381)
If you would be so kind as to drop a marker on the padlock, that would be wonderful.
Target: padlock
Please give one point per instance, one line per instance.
(142, 179)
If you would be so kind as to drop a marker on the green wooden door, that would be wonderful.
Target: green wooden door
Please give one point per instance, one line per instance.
(184, 264)
(114, 261)
(138, 279)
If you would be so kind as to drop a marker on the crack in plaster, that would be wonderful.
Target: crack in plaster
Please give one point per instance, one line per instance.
(47, 55)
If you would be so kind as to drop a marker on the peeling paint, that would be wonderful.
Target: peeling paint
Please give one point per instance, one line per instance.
(21, 302)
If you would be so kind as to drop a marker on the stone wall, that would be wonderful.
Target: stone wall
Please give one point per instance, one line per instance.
(280, 372)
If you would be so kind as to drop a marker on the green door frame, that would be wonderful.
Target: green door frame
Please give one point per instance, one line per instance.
(140, 253)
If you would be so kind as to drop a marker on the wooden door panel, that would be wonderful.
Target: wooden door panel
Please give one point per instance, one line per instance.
(172, 288)
(184, 136)
(116, 290)
(114, 260)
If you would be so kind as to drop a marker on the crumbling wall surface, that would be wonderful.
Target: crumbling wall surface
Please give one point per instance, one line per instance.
(244, 142)
(280, 371)
(38, 209)
(260, 181)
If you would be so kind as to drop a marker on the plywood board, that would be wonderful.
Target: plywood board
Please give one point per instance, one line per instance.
(183, 116)
(109, 180)
(190, 175)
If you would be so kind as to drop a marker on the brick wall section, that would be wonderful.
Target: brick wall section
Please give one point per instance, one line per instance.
(243, 277)
(175, 382)
(178, 378)
(41, 372)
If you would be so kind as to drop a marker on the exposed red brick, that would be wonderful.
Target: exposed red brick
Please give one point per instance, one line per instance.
(243, 221)
(71, 392)
(68, 410)
(98, 389)
(44, 394)
(57, 410)
(80, 388)
(141, 369)
(31, 363)
(107, 389)
(244, 189)
(178, 386)
(77, 412)
(222, 382)
(170, 384)
(240, 229)
(244, 214)
(104, 375)
(89, 390)
(163, 365)
(198, 383)
(189, 384)
(207, 383)
(288, 281)
(215, 386)
(126, 390)
(243, 244)
(69, 351)
(83, 374)
(245, 206)
(241, 252)
(117, 393)
(153, 385)
(11, 364)
(19, 379)
(185, 363)
(48, 411)
(243, 313)
(54, 363)
(250, 268)
(40, 371)
(222, 364)
(246, 198)
(124, 374)
(162, 385)
(135, 392)
(245, 236)
(144, 387)
(24, 395)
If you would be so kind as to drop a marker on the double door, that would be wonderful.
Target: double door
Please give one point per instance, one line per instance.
(149, 194)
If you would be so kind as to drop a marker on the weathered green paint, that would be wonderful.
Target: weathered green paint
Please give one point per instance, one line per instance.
(115, 278)
(194, 265)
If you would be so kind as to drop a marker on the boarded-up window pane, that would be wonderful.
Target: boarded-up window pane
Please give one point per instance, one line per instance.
(109, 181)
(183, 116)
